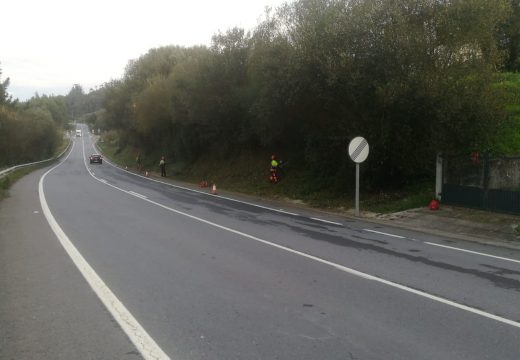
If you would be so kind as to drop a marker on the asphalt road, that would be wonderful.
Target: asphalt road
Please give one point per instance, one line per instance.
(212, 278)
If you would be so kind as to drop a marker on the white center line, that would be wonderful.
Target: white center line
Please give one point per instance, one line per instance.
(473, 252)
(327, 221)
(386, 234)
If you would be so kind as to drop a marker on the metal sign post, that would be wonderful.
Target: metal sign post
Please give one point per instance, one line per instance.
(358, 150)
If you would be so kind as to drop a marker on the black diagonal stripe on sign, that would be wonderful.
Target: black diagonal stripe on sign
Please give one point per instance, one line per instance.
(359, 149)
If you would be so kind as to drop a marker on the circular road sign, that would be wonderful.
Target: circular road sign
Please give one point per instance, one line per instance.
(358, 149)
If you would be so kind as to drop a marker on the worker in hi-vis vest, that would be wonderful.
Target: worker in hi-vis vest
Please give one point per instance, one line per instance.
(274, 178)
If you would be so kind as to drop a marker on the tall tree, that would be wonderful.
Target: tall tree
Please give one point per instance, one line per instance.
(5, 98)
(414, 76)
(509, 38)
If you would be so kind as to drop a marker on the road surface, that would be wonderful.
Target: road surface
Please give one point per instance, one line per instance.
(199, 276)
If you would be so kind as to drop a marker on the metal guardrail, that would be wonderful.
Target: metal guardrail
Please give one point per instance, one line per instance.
(7, 171)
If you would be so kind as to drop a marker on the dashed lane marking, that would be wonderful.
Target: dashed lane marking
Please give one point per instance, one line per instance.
(327, 221)
(473, 252)
(136, 194)
(386, 234)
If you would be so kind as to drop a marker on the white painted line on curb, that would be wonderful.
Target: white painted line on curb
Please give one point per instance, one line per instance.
(338, 266)
(327, 221)
(387, 234)
(200, 192)
(137, 334)
(473, 252)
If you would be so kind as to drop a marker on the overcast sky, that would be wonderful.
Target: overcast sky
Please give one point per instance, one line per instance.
(48, 45)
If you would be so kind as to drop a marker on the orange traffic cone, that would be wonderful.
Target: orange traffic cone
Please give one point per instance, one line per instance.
(214, 189)
(126, 167)
(147, 174)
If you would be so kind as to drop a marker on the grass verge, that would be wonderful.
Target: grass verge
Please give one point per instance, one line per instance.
(248, 173)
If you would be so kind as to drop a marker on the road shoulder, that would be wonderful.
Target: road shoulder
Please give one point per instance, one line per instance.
(47, 310)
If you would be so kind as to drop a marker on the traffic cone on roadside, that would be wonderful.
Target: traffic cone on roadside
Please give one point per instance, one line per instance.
(126, 167)
(214, 189)
(147, 174)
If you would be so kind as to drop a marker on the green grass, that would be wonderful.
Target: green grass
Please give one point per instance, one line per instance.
(418, 195)
(123, 158)
(5, 184)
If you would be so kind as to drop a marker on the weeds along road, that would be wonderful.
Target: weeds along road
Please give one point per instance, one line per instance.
(187, 275)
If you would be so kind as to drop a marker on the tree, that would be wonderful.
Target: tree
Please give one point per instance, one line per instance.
(74, 100)
(5, 98)
(415, 77)
(55, 105)
(28, 131)
(509, 37)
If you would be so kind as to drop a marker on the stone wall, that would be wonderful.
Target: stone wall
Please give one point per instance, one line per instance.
(500, 173)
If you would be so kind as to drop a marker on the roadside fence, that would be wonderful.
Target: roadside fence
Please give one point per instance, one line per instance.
(16, 167)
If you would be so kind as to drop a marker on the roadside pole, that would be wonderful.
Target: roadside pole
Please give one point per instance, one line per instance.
(357, 189)
(438, 177)
(358, 150)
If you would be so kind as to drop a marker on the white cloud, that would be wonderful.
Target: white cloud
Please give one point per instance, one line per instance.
(55, 43)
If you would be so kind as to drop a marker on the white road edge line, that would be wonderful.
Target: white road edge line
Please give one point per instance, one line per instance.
(197, 191)
(137, 334)
(338, 266)
(327, 221)
(387, 234)
(473, 252)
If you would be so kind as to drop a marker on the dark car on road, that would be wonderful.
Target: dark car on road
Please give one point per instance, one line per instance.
(96, 158)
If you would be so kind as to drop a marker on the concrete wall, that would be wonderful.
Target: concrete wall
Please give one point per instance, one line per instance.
(502, 173)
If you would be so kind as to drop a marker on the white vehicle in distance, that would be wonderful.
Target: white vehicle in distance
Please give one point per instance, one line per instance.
(78, 133)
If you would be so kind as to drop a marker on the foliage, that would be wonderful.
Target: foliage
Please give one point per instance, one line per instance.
(415, 77)
(29, 131)
(5, 98)
(79, 103)
(55, 105)
(509, 37)
(508, 142)
(27, 135)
